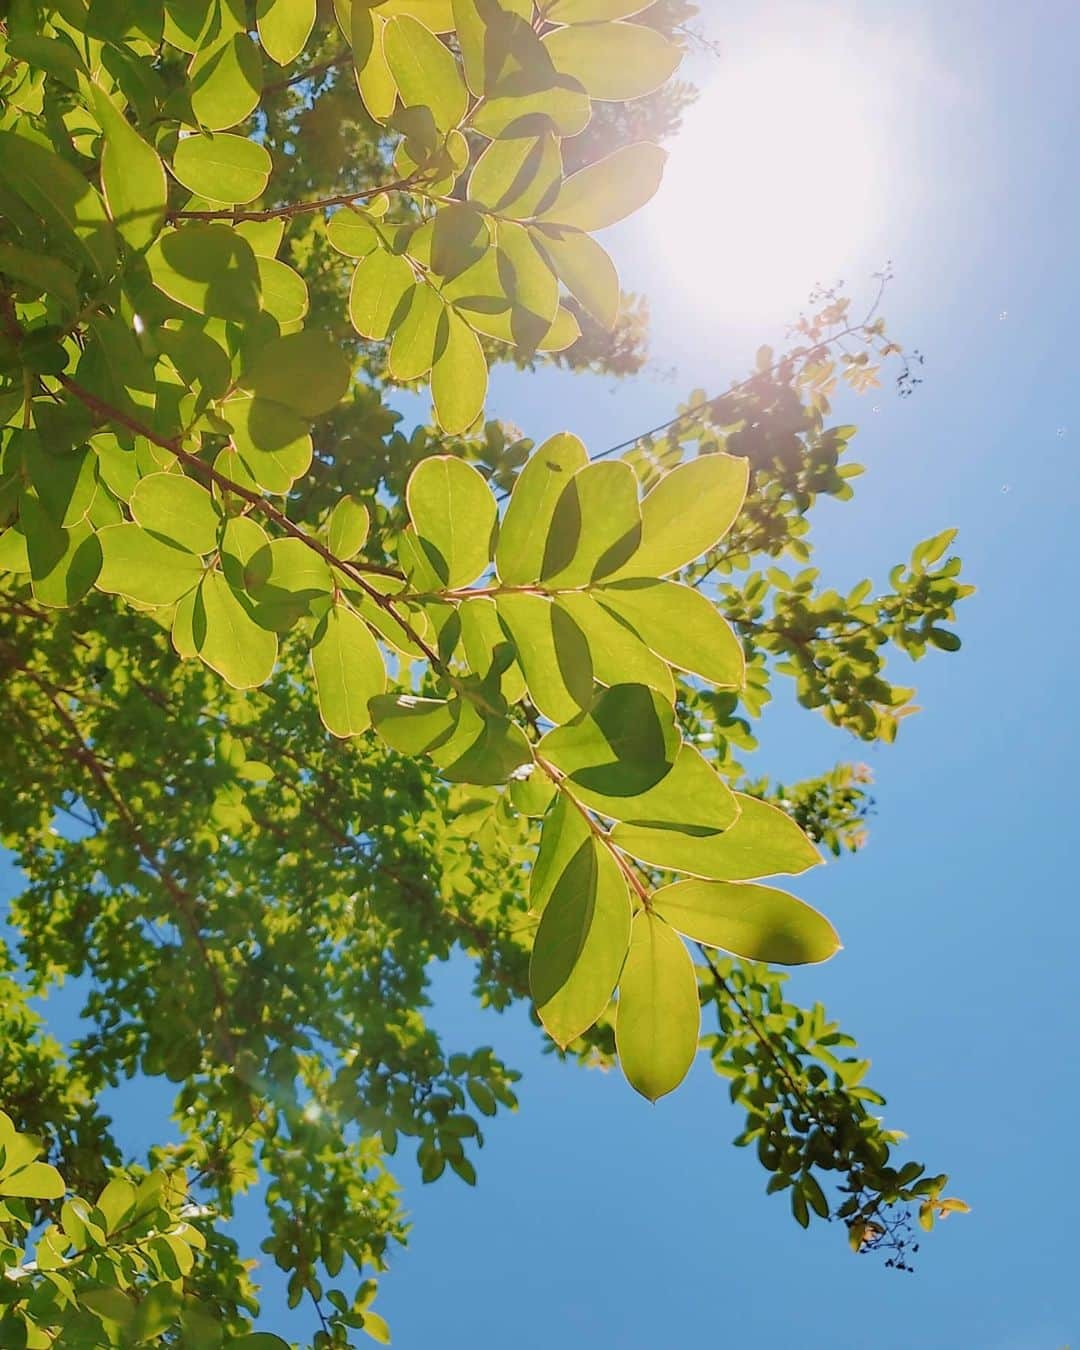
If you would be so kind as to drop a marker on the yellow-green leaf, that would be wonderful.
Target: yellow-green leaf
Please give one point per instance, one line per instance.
(519, 553)
(379, 296)
(425, 71)
(614, 61)
(755, 922)
(581, 943)
(454, 513)
(222, 167)
(349, 671)
(284, 27)
(679, 624)
(687, 513)
(459, 374)
(658, 1017)
(132, 176)
(610, 189)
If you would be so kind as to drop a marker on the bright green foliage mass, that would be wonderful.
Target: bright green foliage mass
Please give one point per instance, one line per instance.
(328, 702)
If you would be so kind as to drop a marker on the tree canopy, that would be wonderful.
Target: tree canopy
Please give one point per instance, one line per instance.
(298, 702)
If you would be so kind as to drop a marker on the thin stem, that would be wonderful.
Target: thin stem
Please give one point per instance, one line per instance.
(299, 208)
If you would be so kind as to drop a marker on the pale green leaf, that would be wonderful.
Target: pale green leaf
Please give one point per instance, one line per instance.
(552, 653)
(754, 922)
(564, 831)
(459, 374)
(425, 71)
(132, 176)
(610, 189)
(595, 526)
(454, 513)
(518, 178)
(658, 1016)
(614, 61)
(222, 167)
(623, 746)
(347, 530)
(379, 297)
(581, 943)
(307, 371)
(352, 232)
(412, 349)
(225, 81)
(284, 27)
(679, 624)
(35, 1181)
(144, 569)
(284, 293)
(228, 638)
(519, 553)
(763, 842)
(687, 513)
(177, 510)
(207, 268)
(349, 671)
(618, 654)
(584, 269)
(272, 441)
(590, 11)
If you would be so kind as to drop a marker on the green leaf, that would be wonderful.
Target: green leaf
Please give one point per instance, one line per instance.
(590, 11)
(425, 71)
(177, 510)
(380, 293)
(414, 726)
(222, 168)
(763, 842)
(454, 513)
(373, 78)
(64, 563)
(584, 269)
(581, 943)
(347, 530)
(595, 526)
(40, 273)
(349, 671)
(56, 192)
(132, 177)
(352, 232)
(491, 757)
(623, 746)
(610, 189)
(658, 1015)
(691, 798)
(459, 374)
(552, 653)
(228, 638)
(306, 371)
(519, 554)
(687, 513)
(207, 268)
(618, 654)
(518, 178)
(679, 624)
(564, 831)
(35, 1181)
(284, 293)
(412, 350)
(143, 568)
(616, 61)
(459, 237)
(754, 922)
(271, 440)
(485, 32)
(284, 27)
(225, 81)
(486, 644)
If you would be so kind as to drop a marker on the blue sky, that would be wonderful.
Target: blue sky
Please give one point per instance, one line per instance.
(600, 1221)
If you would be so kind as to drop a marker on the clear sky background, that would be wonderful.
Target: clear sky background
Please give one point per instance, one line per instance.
(829, 138)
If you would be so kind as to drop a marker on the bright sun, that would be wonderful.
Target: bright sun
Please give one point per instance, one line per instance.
(773, 184)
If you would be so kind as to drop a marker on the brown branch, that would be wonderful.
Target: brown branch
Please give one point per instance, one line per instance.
(299, 208)
(310, 73)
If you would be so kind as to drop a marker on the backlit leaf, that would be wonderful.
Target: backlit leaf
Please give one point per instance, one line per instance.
(284, 27)
(177, 510)
(132, 176)
(552, 653)
(349, 671)
(581, 943)
(658, 1016)
(222, 167)
(454, 513)
(616, 61)
(610, 189)
(519, 553)
(754, 922)
(679, 624)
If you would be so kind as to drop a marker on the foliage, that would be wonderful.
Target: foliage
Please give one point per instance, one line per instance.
(322, 702)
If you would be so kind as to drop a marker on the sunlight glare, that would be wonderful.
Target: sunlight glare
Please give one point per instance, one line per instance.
(772, 184)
